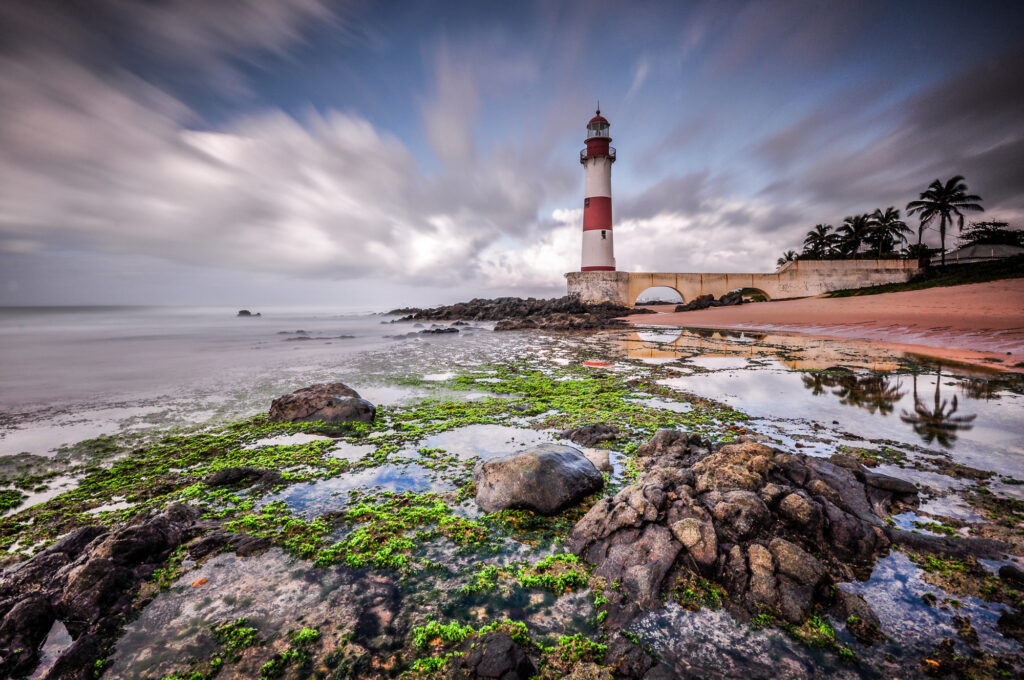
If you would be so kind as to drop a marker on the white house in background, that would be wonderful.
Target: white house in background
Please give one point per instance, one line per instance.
(978, 253)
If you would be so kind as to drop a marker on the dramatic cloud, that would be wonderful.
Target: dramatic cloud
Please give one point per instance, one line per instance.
(272, 140)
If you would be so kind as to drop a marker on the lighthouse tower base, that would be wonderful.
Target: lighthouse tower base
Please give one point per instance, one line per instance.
(598, 287)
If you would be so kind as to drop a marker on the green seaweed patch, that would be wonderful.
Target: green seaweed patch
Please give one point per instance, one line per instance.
(817, 632)
(390, 527)
(234, 636)
(938, 565)
(10, 499)
(936, 527)
(298, 654)
(571, 397)
(693, 592)
(558, 574)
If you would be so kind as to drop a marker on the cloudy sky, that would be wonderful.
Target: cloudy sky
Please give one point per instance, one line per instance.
(248, 152)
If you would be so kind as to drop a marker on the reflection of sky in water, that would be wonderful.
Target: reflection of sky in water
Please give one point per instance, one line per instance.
(317, 497)
(995, 440)
(717, 363)
(485, 441)
(894, 591)
(288, 440)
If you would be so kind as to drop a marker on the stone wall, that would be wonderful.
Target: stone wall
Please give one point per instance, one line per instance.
(804, 278)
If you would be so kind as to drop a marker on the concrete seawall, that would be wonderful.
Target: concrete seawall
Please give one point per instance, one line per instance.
(804, 278)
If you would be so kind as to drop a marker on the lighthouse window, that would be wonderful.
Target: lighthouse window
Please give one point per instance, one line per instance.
(603, 235)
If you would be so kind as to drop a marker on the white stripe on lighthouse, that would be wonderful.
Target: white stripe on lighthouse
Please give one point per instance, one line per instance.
(598, 177)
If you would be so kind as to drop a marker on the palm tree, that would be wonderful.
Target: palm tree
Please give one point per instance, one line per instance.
(887, 229)
(820, 240)
(853, 233)
(788, 256)
(944, 201)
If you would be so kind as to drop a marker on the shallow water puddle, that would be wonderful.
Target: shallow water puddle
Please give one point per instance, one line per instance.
(317, 497)
(894, 592)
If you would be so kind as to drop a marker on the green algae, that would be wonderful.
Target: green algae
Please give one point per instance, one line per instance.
(10, 499)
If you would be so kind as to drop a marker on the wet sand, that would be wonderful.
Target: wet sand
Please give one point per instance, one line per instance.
(981, 323)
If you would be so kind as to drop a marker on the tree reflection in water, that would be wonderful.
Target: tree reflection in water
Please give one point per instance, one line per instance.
(938, 424)
(874, 392)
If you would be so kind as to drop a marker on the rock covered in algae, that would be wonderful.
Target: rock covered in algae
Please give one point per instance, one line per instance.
(329, 402)
(545, 479)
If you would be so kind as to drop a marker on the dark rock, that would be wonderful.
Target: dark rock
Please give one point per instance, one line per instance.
(243, 545)
(951, 546)
(546, 479)
(1011, 572)
(89, 580)
(699, 302)
(234, 476)
(590, 435)
(22, 632)
(626, 658)
(861, 620)
(494, 656)
(566, 313)
(894, 484)
(330, 402)
(705, 301)
(439, 331)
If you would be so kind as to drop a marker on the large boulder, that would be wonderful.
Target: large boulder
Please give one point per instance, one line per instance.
(546, 479)
(495, 656)
(329, 402)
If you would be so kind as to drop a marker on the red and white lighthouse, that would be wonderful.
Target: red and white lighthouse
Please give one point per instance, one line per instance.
(597, 159)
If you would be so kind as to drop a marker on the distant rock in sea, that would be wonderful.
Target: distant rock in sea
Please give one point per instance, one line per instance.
(246, 312)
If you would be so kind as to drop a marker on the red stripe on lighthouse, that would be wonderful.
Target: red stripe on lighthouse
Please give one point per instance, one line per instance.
(597, 213)
(597, 269)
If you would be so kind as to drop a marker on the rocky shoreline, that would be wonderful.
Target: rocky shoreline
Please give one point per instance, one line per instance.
(512, 313)
(770, 536)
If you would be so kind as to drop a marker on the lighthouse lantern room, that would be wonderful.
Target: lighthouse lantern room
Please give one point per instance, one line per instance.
(597, 159)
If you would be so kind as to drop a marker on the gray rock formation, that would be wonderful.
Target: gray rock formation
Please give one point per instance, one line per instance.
(546, 479)
(329, 402)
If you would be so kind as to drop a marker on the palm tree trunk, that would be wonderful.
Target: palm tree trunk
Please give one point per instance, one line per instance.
(942, 238)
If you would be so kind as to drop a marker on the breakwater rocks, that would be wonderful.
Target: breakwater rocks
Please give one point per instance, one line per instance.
(511, 313)
(705, 301)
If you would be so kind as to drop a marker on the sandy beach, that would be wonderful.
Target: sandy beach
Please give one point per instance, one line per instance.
(980, 323)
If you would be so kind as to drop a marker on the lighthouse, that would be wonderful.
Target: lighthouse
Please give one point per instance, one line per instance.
(597, 159)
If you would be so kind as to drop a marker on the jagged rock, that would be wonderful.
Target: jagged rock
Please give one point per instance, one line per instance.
(705, 301)
(763, 592)
(590, 435)
(546, 479)
(1011, 572)
(329, 402)
(88, 580)
(237, 475)
(894, 484)
(22, 632)
(699, 539)
(626, 658)
(742, 465)
(800, 511)
(494, 656)
(796, 563)
(637, 558)
(738, 515)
